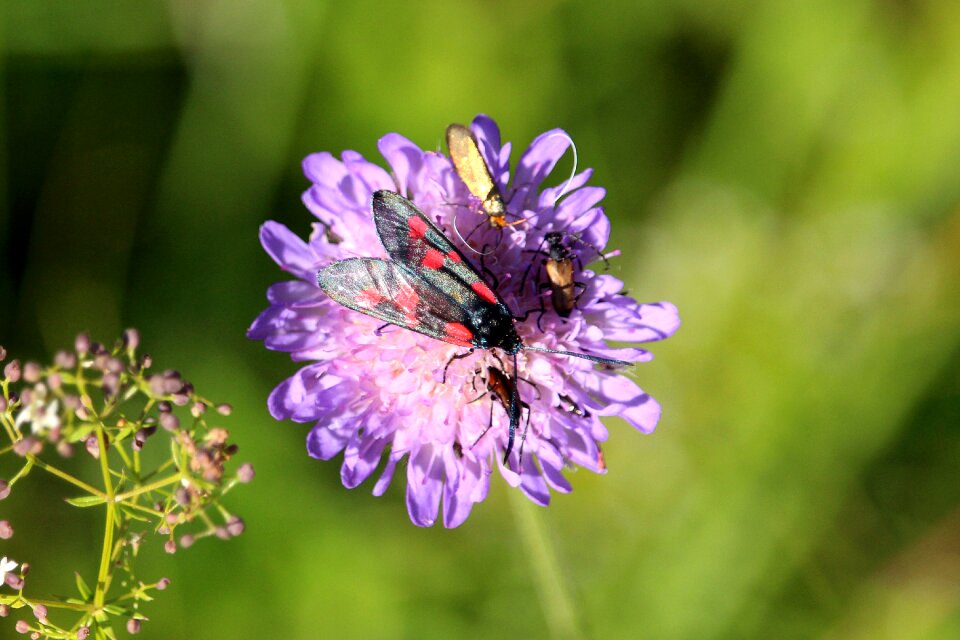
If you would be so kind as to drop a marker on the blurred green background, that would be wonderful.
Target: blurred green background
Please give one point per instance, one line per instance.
(787, 173)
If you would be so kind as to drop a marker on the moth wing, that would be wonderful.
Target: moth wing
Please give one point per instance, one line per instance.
(468, 161)
(411, 239)
(388, 291)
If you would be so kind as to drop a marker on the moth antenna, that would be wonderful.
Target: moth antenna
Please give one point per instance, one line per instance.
(573, 172)
(523, 435)
(584, 356)
(456, 230)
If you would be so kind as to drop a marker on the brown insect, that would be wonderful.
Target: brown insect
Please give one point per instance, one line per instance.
(473, 170)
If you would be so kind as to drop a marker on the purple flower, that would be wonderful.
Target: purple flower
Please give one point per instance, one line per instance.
(379, 396)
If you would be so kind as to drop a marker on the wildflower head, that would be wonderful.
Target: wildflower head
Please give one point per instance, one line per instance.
(381, 394)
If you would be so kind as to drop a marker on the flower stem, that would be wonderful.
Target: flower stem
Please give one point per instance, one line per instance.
(101, 593)
(66, 476)
(147, 488)
(558, 609)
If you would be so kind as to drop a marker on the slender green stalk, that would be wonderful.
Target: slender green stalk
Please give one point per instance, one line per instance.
(101, 592)
(66, 476)
(50, 604)
(558, 609)
(147, 488)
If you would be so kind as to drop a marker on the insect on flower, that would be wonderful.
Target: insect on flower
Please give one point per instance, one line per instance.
(473, 170)
(558, 264)
(428, 286)
(504, 390)
(378, 398)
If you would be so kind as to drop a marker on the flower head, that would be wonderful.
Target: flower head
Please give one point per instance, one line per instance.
(42, 415)
(6, 566)
(379, 394)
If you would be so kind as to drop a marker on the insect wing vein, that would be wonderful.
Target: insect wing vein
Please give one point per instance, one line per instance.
(388, 291)
(410, 238)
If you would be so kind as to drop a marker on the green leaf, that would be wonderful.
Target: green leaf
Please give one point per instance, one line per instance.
(116, 610)
(86, 501)
(80, 433)
(133, 514)
(82, 586)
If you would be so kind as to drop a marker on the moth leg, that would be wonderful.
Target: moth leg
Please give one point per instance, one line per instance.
(583, 288)
(532, 384)
(541, 287)
(456, 356)
(483, 267)
(489, 425)
(379, 330)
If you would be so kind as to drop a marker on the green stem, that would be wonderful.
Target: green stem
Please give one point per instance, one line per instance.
(128, 463)
(24, 470)
(50, 604)
(147, 488)
(558, 608)
(63, 475)
(140, 507)
(106, 552)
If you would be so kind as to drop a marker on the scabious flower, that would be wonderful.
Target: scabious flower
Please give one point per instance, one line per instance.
(378, 394)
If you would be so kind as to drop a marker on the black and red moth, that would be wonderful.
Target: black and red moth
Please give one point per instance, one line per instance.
(430, 287)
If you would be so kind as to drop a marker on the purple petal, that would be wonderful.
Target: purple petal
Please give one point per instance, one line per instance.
(360, 461)
(404, 158)
(555, 478)
(629, 321)
(578, 202)
(323, 443)
(323, 169)
(291, 397)
(540, 158)
(582, 450)
(288, 250)
(458, 498)
(622, 397)
(284, 329)
(383, 482)
(294, 293)
(488, 140)
(532, 483)
(371, 176)
(424, 486)
(548, 197)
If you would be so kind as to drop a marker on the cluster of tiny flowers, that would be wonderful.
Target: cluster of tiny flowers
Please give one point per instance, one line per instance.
(381, 396)
(103, 407)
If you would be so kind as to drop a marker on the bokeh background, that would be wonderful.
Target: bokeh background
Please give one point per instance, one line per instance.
(787, 173)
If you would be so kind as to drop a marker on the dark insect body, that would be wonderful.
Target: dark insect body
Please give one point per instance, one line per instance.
(559, 266)
(473, 170)
(505, 391)
(572, 407)
(430, 287)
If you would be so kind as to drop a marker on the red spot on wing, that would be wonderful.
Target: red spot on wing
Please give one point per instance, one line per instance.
(369, 298)
(453, 256)
(432, 259)
(482, 290)
(458, 333)
(407, 300)
(418, 227)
